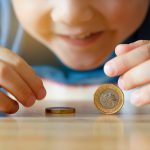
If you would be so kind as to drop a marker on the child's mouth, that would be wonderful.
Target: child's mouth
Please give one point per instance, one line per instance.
(81, 40)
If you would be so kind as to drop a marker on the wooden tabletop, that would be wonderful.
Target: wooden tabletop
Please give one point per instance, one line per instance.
(32, 129)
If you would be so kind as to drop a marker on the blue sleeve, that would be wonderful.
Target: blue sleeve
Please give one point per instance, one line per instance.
(4, 21)
(9, 37)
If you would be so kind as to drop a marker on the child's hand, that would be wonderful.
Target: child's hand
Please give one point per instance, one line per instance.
(133, 64)
(18, 78)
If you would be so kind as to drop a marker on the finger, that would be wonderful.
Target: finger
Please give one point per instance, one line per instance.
(123, 63)
(135, 77)
(8, 105)
(141, 97)
(25, 71)
(124, 48)
(12, 82)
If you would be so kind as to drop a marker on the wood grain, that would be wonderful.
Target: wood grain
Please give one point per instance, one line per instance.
(88, 131)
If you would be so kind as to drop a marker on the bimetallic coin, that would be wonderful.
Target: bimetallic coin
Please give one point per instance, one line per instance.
(109, 98)
(60, 110)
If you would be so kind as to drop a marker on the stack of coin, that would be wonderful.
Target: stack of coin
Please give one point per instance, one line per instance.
(109, 98)
(60, 110)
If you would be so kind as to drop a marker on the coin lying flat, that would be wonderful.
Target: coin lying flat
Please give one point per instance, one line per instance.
(60, 110)
(109, 98)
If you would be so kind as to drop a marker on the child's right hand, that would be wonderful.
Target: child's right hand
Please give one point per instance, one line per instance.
(18, 78)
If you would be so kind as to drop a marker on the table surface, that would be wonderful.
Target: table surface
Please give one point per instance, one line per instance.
(31, 128)
(80, 131)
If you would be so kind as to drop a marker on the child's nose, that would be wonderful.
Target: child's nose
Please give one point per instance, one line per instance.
(72, 12)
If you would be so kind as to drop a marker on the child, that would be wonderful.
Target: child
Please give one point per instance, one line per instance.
(81, 36)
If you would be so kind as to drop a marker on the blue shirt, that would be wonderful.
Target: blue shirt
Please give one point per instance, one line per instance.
(13, 37)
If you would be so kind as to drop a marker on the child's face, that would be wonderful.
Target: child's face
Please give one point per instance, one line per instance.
(81, 32)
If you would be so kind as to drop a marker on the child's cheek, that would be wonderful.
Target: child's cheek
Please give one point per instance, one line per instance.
(123, 17)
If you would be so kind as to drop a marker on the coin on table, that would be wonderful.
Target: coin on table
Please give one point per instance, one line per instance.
(60, 110)
(109, 98)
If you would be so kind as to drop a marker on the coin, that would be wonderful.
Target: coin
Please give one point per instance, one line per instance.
(109, 98)
(60, 110)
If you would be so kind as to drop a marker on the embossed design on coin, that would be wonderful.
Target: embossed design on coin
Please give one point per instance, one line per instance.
(109, 98)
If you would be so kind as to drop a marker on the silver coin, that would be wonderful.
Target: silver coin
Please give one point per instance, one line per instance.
(109, 99)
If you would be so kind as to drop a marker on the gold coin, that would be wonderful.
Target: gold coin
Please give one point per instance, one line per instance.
(60, 110)
(109, 98)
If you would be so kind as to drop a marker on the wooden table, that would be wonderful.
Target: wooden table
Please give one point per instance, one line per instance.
(31, 129)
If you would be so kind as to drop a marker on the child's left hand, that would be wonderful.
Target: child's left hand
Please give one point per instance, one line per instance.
(133, 65)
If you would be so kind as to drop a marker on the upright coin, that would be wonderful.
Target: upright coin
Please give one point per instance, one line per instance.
(109, 98)
(60, 110)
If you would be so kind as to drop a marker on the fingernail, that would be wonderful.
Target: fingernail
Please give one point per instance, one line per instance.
(136, 100)
(109, 70)
(42, 93)
(118, 47)
(121, 83)
(30, 101)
